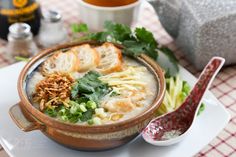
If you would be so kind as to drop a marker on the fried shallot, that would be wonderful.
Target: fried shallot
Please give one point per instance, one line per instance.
(54, 90)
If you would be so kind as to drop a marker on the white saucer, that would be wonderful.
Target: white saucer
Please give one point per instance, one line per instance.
(34, 144)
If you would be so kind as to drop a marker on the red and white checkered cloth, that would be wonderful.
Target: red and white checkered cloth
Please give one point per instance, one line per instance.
(224, 86)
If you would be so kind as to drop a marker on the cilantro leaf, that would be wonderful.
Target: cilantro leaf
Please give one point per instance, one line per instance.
(119, 32)
(75, 90)
(77, 28)
(133, 48)
(100, 36)
(146, 37)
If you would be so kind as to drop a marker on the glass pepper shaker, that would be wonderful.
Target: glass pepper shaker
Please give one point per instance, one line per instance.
(13, 11)
(20, 40)
(52, 31)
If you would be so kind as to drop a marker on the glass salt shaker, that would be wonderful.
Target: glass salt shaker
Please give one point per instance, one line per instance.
(20, 40)
(52, 31)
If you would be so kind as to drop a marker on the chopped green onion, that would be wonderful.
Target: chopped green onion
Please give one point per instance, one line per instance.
(82, 107)
(97, 121)
(19, 58)
(90, 122)
(91, 105)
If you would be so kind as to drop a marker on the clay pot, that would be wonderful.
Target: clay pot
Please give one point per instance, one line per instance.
(83, 137)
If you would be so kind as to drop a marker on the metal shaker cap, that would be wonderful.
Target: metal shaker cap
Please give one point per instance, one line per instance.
(20, 30)
(52, 16)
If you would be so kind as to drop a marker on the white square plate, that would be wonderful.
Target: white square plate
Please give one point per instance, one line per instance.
(34, 144)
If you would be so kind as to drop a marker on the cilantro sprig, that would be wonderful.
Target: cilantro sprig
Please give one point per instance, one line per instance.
(135, 42)
(89, 87)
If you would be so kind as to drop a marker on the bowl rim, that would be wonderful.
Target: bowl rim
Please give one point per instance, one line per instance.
(102, 8)
(118, 126)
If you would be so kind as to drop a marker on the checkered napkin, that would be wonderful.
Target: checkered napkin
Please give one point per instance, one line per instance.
(224, 86)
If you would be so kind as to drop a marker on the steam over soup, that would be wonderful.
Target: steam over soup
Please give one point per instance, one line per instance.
(92, 85)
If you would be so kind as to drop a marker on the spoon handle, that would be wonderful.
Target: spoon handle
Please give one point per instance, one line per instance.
(192, 102)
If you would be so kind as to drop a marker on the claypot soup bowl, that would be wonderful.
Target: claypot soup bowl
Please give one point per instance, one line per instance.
(83, 137)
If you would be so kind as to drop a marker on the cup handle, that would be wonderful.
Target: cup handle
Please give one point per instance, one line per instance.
(23, 122)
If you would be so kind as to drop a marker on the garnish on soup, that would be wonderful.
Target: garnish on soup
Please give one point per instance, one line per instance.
(136, 41)
(53, 91)
(92, 85)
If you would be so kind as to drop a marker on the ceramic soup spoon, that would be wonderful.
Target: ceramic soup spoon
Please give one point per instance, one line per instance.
(173, 127)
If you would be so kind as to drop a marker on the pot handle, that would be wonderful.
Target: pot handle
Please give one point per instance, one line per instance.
(22, 122)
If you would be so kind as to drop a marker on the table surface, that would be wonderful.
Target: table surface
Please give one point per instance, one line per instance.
(224, 86)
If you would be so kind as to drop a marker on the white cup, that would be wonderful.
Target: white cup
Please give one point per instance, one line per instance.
(95, 16)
